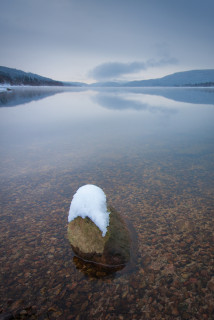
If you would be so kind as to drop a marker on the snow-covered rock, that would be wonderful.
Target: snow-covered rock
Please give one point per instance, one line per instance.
(97, 233)
(90, 201)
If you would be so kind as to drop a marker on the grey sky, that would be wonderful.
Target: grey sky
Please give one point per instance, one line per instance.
(69, 39)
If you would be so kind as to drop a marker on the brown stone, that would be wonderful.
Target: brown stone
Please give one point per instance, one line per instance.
(87, 242)
(211, 284)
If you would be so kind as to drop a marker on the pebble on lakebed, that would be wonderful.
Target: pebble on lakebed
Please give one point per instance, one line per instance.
(97, 233)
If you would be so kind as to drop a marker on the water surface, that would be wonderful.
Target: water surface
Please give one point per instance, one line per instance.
(152, 152)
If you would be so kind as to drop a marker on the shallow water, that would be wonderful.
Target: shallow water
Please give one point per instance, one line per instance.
(152, 152)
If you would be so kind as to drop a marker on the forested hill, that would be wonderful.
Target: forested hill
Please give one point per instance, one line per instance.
(17, 77)
(190, 78)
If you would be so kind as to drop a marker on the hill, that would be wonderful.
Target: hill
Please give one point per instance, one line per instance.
(17, 77)
(191, 78)
(74, 84)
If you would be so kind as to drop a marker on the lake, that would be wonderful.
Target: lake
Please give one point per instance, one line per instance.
(152, 152)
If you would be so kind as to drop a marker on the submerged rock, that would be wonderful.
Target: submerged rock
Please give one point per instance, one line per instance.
(88, 243)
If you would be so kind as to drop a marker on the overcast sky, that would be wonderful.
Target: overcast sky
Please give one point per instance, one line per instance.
(87, 40)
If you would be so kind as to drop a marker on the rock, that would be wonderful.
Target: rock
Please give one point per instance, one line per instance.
(186, 275)
(23, 312)
(88, 243)
(210, 284)
(175, 311)
(6, 316)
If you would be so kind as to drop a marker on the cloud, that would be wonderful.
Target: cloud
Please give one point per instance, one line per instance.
(113, 70)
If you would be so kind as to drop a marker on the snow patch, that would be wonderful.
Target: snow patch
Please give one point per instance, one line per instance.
(3, 89)
(90, 201)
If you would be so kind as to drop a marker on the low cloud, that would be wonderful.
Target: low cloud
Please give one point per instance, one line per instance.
(114, 70)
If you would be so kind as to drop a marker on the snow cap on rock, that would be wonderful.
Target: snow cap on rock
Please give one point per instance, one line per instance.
(90, 201)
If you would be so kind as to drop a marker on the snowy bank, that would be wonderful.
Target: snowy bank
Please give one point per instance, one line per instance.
(90, 201)
(3, 89)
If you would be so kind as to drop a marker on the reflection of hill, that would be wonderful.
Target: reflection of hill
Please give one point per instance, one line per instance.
(111, 98)
(25, 95)
(189, 95)
(108, 97)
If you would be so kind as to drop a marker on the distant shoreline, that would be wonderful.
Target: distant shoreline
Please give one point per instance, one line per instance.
(192, 78)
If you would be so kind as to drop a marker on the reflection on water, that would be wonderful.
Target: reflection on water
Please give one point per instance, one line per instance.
(181, 94)
(21, 95)
(153, 157)
(94, 270)
(118, 102)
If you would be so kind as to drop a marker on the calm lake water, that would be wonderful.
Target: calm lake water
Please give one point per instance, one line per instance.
(152, 152)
